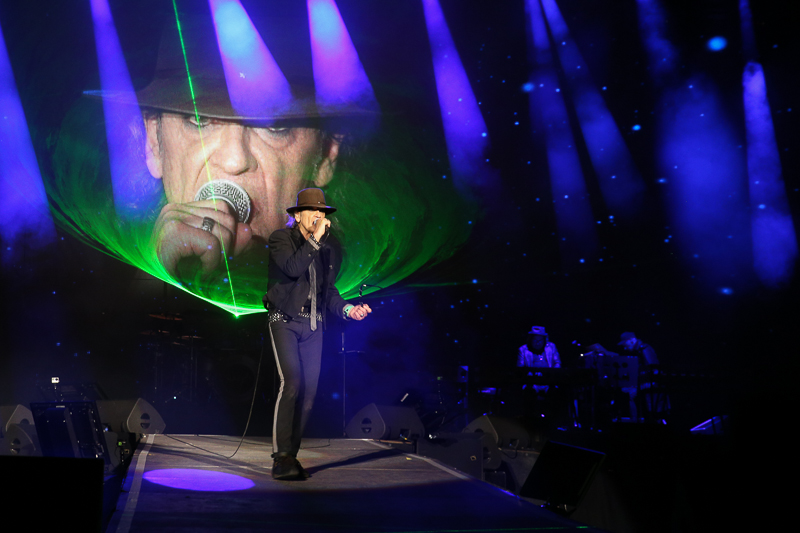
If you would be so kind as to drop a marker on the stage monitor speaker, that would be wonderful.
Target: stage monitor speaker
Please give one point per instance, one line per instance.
(385, 422)
(14, 414)
(462, 451)
(137, 417)
(21, 440)
(505, 432)
(561, 476)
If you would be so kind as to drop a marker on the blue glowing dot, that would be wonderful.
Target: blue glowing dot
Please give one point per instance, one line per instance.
(566, 196)
(528, 87)
(715, 44)
(662, 180)
(483, 134)
(583, 260)
(605, 88)
(762, 206)
(474, 281)
(726, 291)
(558, 90)
(636, 127)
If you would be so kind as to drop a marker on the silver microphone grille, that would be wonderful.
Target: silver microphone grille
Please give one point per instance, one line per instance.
(231, 193)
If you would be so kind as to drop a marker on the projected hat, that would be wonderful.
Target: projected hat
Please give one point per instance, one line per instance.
(221, 67)
(625, 337)
(537, 330)
(311, 199)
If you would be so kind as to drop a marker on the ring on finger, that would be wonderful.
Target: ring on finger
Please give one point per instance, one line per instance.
(208, 224)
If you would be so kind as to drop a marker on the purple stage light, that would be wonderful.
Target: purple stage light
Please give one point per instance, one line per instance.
(256, 85)
(774, 239)
(24, 211)
(339, 77)
(620, 182)
(133, 190)
(198, 480)
(576, 227)
(698, 154)
(464, 127)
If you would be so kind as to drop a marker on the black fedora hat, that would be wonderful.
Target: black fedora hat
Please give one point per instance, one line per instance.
(189, 75)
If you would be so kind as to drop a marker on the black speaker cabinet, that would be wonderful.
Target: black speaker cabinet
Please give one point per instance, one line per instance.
(385, 422)
(54, 493)
(561, 475)
(505, 432)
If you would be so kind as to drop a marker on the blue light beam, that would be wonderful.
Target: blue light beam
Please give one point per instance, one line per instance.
(774, 239)
(256, 85)
(134, 191)
(576, 226)
(24, 212)
(339, 77)
(660, 52)
(620, 183)
(707, 183)
(698, 157)
(464, 127)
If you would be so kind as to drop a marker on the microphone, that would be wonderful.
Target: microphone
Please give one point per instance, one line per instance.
(229, 192)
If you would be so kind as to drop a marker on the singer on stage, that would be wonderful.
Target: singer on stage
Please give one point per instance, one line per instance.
(303, 264)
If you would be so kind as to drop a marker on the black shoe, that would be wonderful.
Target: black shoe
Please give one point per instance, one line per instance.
(303, 472)
(286, 467)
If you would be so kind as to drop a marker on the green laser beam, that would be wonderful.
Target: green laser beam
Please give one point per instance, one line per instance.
(202, 145)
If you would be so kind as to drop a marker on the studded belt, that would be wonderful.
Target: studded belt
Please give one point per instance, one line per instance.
(277, 316)
(308, 315)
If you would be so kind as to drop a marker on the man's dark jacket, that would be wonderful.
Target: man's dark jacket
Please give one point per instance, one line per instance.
(289, 258)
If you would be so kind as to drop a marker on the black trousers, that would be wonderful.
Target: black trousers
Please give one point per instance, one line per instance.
(298, 356)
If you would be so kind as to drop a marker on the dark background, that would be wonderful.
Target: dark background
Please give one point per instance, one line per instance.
(73, 312)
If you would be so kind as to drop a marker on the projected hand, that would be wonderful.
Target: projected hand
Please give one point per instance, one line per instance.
(178, 234)
(359, 312)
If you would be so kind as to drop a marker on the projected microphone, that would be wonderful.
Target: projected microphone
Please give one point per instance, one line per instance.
(229, 192)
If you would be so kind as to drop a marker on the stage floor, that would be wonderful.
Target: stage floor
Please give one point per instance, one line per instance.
(186, 483)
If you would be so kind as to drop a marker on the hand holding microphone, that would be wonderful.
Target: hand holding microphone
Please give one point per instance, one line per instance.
(321, 228)
(214, 221)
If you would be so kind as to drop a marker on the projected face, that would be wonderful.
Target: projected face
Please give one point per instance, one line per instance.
(270, 163)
